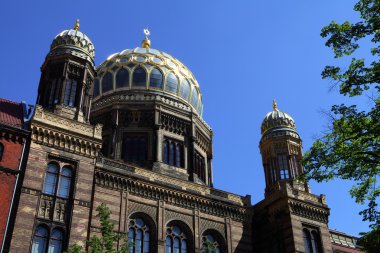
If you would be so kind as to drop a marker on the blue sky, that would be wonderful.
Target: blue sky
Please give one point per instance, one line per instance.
(243, 54)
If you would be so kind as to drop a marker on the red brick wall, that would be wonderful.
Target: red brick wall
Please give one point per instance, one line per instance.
(10, 160)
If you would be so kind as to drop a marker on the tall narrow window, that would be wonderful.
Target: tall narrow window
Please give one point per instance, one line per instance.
(194, 97)
(40, 240)
(139, 77)
(199, 166)
(176, 240)
(70, 92)
(307, 241)
(312, 240)
(51, 179)
(283, 165)
(55, 242)
(185, 89)
(107, 82)
(315, 242)
(122, 78)
(64, 182)
(54, 92)
(171, 83)
(155, 78)
(1, 151)
(172, 152)
(138, 236)
(96, 87)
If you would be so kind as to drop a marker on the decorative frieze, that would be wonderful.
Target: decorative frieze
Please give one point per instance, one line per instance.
(134, 207)
(207, 224)
(308, 211)
(172, 215)
(173, 124)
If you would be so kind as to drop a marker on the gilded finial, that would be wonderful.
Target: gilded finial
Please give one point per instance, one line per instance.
(274, 105)
(76, 26)
(146, 42)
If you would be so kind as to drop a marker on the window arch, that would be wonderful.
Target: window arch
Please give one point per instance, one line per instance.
(139, 236)
(211, 243)
(155, 78)
(56, 240)
(283, 166)
(139, 77)
(177, 240)
(312, 241)
(57, 181)
(70, 92)
(1, 151)
(107, 82)
(185, 89)
(40, 239)
(122, 78)
(171, 83)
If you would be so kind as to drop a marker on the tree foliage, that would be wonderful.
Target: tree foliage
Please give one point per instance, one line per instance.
(107, 243)
(351, 147)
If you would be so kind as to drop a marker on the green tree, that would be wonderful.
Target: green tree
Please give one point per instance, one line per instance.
(351, 147)
(109, 238)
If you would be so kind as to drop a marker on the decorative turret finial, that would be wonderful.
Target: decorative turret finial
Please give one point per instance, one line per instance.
(274, 105)
(76, 26)
(146, 42)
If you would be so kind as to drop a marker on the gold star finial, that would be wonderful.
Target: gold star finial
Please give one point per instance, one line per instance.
(274, 105)
(76, 26)
(146, 42)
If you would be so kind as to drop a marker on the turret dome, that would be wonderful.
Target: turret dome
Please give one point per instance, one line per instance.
(276, 121)
(148, 70)
(74, 42)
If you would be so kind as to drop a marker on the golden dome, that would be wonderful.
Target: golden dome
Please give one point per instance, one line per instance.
(148, 70)
(277, 120)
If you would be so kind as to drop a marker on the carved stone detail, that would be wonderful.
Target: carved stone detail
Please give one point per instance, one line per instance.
(173, 124)
(209, 224)
(308, 211)
(134, 207)
(171, 215)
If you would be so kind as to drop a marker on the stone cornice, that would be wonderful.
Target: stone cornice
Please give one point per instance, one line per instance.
(65, 134)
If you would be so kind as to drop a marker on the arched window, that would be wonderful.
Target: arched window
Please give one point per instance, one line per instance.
(210, 244)
(1, 151)
(107, 82)
(138, 236)
(139, 77)
(40, 240)
(55, 242)
(171, 83)
(194, 97)
(176, 240)
(64, 182)
(57, 182)
(185, 89)
(70, 92)
(51, 179)
(96, 87)
(155, 78)
(122, 78)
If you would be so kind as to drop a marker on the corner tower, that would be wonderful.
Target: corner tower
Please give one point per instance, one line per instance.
(67, 75)
(290, 218)
(56, 192)
(281, 150)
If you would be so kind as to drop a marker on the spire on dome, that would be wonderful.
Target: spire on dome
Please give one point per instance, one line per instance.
(146, 42)
(76, 26)
(274, 105)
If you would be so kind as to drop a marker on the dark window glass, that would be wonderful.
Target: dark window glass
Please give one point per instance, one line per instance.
(51, 179)
(185, 89)
(122, 78)
(139, 77)
(199, 166)
(283, 165)
(70, 92)
(134, 148)
(171, 83)
(40, 240)
(64, 182)
(1, 151)
(55, 243)
(172, 152)
(54, 92)
(156, 78)
(307, 241)
(176, 240)
(194, 97)
(107, 82)
(96, 87)
(315, 242)
(139, 236)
